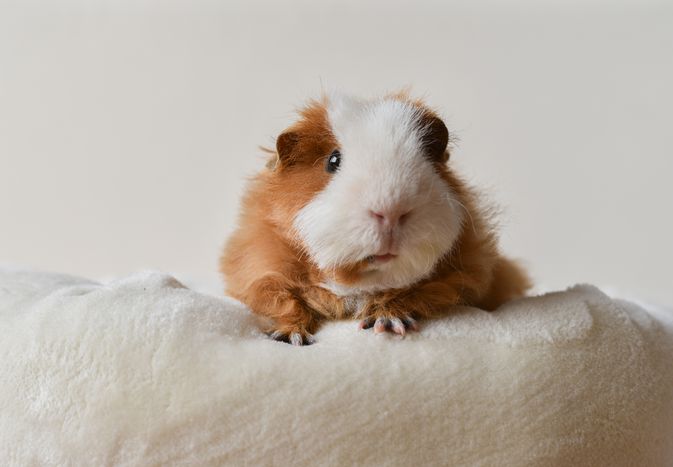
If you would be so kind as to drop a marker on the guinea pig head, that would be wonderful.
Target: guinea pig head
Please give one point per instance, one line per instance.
(373, 206)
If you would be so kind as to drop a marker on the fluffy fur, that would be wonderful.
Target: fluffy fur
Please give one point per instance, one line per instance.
(391, 236)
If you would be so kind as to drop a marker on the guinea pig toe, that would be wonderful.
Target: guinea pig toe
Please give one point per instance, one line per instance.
(366, 323)
(278, 336)
(410, 323)
(395, 325)
(296, 338)
(381, 324)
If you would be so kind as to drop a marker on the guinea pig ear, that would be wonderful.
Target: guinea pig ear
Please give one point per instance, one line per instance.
(286, 143)
(434, 138)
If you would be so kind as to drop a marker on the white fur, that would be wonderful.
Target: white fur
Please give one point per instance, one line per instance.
(382, 167)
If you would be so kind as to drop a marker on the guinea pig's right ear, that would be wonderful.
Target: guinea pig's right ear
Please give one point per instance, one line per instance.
(286, 144)
(435, 138)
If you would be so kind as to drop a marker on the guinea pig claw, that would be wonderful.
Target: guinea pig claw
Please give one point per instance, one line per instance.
(296, 339)
(397, 326)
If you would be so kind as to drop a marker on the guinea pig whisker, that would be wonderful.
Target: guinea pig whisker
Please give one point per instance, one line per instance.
(467, 211)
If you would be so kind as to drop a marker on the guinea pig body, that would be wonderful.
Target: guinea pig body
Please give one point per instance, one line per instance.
(358, 215)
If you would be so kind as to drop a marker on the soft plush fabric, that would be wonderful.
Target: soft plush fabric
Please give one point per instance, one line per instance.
(144, 371)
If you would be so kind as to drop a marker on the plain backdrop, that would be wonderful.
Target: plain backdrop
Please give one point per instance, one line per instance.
(128, 128)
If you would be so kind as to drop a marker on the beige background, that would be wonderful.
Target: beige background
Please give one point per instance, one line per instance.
(127, 128)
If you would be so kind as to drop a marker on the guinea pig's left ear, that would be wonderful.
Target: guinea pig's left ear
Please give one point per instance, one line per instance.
(434, 138)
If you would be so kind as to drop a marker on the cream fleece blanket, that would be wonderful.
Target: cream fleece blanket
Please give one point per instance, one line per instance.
(144, 371)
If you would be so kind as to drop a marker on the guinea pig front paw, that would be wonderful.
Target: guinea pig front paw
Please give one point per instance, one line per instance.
(396, 325)
(296, 337)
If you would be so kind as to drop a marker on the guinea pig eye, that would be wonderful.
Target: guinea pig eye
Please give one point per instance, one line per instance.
(333, 161)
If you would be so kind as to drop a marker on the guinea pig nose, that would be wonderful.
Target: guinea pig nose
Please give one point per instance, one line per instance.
(389, 218)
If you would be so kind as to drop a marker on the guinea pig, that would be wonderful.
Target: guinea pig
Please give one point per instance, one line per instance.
(359, 215)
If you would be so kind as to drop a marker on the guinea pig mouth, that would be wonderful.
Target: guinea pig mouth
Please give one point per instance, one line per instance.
(381, 258)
